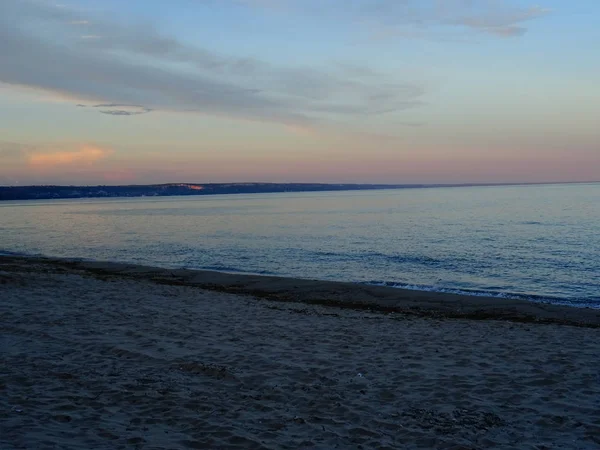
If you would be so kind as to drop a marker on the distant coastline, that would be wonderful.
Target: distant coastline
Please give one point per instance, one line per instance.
(47, 192)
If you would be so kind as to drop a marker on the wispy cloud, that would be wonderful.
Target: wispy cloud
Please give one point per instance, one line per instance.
(137, 69)
(137, 65)
(417, 18)
(505, 22)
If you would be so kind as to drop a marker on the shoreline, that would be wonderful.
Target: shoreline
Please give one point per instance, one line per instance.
(343, 295)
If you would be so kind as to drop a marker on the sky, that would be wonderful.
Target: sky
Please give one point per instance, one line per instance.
(341, 91)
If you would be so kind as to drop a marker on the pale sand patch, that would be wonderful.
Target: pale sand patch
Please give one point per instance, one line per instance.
(128, 363)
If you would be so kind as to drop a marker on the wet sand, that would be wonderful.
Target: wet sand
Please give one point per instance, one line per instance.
(104, 355)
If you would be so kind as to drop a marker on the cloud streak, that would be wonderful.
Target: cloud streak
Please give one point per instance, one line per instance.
(417, 18)
(137, 65)
(117, 109)
(504, 22)
(136, 69)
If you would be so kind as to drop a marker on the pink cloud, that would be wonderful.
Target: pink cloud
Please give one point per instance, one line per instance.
(84, 154)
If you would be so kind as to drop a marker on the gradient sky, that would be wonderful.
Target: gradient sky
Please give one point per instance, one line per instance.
(383, 91)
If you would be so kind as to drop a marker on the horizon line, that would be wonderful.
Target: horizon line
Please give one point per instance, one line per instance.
(466, 184)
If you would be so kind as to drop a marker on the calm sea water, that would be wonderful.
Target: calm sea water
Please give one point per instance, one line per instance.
(539, 242)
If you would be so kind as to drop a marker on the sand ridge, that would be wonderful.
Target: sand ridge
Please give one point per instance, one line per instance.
(103, 361)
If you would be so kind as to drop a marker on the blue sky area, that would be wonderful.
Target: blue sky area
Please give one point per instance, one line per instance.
(289, 90)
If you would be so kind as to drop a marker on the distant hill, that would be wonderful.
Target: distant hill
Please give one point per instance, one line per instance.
(161, 190)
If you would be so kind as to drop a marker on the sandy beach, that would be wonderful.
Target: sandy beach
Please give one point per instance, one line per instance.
(101, 355)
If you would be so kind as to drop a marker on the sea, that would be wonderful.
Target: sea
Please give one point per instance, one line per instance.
(533, 242)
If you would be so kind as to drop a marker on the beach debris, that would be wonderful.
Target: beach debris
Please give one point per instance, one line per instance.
(359, 375)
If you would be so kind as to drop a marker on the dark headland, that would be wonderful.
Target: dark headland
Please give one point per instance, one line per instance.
(178, 189)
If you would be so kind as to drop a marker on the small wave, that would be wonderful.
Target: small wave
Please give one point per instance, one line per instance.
(328, 254)
(228, 269)
(407, 259)
(11, 253)
(423, 260)
(412, 259)
(580, 303)
(385, 258)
